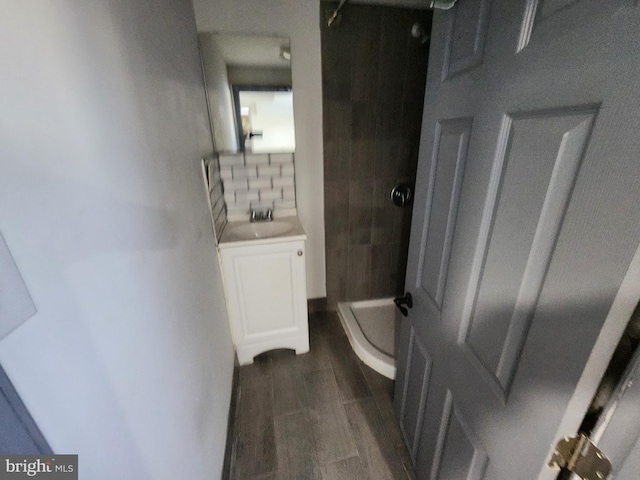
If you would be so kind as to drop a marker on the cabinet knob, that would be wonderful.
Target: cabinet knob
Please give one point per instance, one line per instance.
(299, 253)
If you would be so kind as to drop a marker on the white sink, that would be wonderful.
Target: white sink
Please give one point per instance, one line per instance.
(251, 231)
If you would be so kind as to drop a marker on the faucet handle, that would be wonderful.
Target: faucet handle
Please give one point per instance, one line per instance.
(254, 216)
(268, 216)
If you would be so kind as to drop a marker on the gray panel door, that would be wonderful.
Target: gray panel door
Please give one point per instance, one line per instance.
(525, 222)
(18, 432)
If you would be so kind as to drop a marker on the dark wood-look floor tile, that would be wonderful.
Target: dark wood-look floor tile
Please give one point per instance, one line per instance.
(289, 392)
(256, 445)
(322, 388)
(326, 324)
(258, 371)
(377, 383)
(255, 459)
(382, 391)
(332, 433)
(296, 447)
(368, 428)
(317, 358)
(349, 468)
(350, 379)
(298, 418)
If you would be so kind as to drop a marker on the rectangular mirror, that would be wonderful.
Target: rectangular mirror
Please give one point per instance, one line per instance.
(249, 93)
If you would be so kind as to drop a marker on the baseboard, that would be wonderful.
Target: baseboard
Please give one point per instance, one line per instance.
(228, 468)
(315, 305)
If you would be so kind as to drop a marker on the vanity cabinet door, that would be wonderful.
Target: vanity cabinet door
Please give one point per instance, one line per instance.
(266, 297)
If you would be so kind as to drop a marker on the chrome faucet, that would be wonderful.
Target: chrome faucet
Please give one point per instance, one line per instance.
(261, 216)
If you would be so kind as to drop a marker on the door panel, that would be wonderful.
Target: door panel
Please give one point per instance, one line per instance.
(537, 173)
(466, 33)
(459, 454)
(525, 222)
(416, 374)
(447, 172)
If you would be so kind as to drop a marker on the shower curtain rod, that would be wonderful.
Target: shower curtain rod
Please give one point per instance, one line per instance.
(336, 12)
(433, 5)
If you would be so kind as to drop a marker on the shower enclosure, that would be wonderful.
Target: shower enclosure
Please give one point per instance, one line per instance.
(374, 65)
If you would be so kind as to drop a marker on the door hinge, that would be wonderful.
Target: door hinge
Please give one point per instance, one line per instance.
(579, 455)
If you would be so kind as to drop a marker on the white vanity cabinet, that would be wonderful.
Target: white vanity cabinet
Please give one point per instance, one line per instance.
(265, 286)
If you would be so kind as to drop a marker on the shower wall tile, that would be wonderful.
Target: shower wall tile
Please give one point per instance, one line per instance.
(384, 211)
(365, 55)
(393, 56)
(359, 271)
(336, 68)
(337, 139)
(337, 213)
(380, 281)
(337, 275)
(360, 212)
(363, 141)
(373, 78)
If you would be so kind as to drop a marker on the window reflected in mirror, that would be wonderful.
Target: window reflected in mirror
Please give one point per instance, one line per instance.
(249, 92)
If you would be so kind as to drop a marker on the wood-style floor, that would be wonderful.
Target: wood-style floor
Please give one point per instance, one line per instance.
(321, 415)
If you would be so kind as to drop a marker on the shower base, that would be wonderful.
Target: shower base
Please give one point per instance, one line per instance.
(371, 327)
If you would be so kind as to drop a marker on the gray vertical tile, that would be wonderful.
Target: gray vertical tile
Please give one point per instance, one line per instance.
(417, 57)
(363, 140)
(395, 33)
(380, 281)
(337, 137)
(336, 212)
(350, 468)
(360, 212)
(365, 54)
(373, 75)
(289, 393)
(388, 137)
(331, 431)
(256, 446)
(370, 434)
(337, 275)
(359, 268)
(349, 378)
(383, 212)
(296, 448)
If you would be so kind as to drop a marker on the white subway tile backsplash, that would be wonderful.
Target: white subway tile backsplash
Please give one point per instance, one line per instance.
(258, 181)
(240, 184)
(230, 160)
(289, 193)
(244, 172)
(281, 157)
(246, 197)
(262, 205)
(287, 170)
(253, 159)
(281, 204)
(261, 182)
(283, 182)
(226, 172)
(268, 170)
(230, 199)
(269, 194)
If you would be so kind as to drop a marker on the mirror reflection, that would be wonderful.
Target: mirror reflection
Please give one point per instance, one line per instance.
(249, 94)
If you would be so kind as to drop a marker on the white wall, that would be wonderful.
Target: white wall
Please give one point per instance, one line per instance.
(128, 361)
(299, 20)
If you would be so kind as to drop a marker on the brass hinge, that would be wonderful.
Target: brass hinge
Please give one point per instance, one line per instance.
(579, 455)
